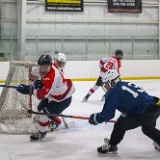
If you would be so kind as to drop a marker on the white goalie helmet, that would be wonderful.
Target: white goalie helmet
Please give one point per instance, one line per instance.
(61, 57)
(111, 76)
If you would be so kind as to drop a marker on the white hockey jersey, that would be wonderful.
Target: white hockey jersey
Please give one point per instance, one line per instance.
(61, 69)
(56, 87)
(109, 63)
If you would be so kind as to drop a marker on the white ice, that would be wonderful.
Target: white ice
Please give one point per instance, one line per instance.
(81, 141)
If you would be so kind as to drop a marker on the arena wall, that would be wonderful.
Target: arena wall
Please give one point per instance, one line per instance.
(89, 70)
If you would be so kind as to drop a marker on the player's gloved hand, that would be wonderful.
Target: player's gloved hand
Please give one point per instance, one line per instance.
(38, 84)
(93, 119)
(25, 89)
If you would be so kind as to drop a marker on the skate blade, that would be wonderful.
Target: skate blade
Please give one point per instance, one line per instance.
(41, 139)
(107, 153)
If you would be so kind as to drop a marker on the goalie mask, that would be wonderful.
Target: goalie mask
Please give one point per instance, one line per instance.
(112, 76)
(44, 64)
(60, 60)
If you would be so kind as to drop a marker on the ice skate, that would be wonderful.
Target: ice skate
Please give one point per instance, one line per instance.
(156, 146)
(53, 126)
(38, 135)
(107, 148)
(85, 99)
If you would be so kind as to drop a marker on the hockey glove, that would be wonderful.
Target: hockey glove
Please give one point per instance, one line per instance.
(25, 89)
(93, 119)
(38, 84)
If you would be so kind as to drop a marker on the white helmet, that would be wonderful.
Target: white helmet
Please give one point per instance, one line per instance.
(111, 76)
(61, 57)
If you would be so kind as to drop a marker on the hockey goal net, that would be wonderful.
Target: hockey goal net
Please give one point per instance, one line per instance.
(14, 118)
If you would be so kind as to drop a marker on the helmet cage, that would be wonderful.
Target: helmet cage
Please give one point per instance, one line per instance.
(61, 57)
(60, 60)
(110, 77)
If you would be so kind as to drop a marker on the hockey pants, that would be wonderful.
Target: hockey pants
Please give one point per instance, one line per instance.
(147, 121)
(52, 107)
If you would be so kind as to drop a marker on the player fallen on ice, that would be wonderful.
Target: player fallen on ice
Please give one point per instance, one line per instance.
(113, 62)
(137, 107)
(54, 91)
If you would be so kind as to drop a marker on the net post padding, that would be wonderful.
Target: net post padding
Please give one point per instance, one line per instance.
(14, 118)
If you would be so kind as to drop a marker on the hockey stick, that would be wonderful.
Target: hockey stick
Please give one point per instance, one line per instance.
(4, 86)
(69, 124)
(62, 115)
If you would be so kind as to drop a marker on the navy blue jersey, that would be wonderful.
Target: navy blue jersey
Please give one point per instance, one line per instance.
(127, 98)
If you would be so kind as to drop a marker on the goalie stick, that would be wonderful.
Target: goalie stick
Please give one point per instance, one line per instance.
(62, 115)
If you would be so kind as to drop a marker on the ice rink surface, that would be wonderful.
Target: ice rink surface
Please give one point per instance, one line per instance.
(81, 141)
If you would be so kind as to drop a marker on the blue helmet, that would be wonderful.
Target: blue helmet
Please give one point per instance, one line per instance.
(45, 60)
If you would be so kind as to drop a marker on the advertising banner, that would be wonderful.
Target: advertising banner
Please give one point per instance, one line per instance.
(64, 5)
(125, 6)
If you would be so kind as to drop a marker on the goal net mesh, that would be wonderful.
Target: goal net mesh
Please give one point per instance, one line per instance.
(14, 118)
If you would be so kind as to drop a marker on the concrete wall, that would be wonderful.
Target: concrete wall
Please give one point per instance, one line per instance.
(89, 70)
(28, 30)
